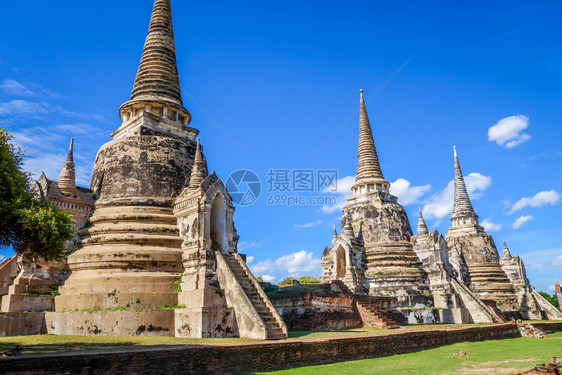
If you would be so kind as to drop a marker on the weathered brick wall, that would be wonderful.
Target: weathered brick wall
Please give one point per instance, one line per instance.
(555, 326)
(315, 308)
(250, 357)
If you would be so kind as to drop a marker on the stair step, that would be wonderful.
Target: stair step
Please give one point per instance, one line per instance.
(274, 330)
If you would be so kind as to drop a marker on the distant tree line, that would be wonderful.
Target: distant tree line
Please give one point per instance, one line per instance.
(287, 281)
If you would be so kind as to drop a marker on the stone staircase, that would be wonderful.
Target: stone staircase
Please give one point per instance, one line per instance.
(274, 329)
(372, 316)
(481, 313)
(374, 312)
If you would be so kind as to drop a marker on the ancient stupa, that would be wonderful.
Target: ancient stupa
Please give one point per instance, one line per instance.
(373, 252)
(132, 247)
(136, 271)
(467, 239)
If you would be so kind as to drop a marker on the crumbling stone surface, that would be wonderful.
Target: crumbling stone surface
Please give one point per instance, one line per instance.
(476, 246)
(378, 221)
(142, 170)
(551, 368)
(529, 330)
(315, 308)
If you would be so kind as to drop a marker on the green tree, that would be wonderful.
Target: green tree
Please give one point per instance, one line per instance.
(287, 281)
(259, 278)
(308, 280)
(553, 299)
(33, 228)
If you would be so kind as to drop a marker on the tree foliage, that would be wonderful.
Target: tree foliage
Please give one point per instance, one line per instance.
(287, 281)
(308, 280)
(33, 228)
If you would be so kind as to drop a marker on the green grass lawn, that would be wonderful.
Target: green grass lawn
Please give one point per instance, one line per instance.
(486, 357)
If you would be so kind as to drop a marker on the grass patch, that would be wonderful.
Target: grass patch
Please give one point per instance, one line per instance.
(486, 357)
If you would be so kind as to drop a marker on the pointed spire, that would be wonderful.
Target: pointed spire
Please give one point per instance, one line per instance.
(67, 179)
(506, 253)
(367, 160)
(198, 169)
(348, 227)
(335, 231)
(157, 77)
(422, 228)
(462, 207)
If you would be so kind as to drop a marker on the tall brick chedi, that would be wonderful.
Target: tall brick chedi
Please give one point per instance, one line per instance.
(162, 233)
(373, 252)
(467, 239)
(132, 248)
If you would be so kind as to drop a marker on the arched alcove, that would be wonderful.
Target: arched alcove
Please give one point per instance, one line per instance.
(340, 263)
(218, 225)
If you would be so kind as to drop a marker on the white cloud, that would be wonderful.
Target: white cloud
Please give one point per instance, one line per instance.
(441, 204)
(295, 264)
(249, 259)
(406, 193)
(20, 107)
(49, 163)
(13, 87)
(307, 225)
(47, 147)
(520, 221)
(44, 129)
(243, 245)
(490, 226)
(540, 199)
(268, 278)
(508, 131)
(402, 188)
(541, 259)
(343, 191)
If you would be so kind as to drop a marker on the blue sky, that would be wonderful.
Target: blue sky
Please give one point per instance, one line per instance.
(274, 85)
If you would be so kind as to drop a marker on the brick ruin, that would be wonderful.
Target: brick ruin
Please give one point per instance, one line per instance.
(456, 278)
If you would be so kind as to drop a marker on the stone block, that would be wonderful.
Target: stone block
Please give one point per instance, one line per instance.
(31, 303)
(205, 322)
(456, 315)
(89, 301)
(111, 323)
(20, 324)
